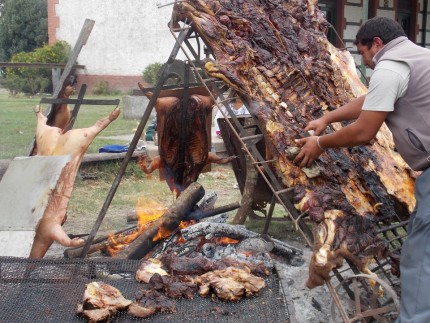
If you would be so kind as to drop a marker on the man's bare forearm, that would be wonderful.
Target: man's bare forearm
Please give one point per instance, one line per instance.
(349, 111)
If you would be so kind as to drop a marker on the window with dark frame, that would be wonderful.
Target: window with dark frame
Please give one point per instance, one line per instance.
(406, 17)
(329, 8)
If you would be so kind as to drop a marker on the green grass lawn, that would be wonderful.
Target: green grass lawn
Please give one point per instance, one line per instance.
(17, 130)
(18, 124)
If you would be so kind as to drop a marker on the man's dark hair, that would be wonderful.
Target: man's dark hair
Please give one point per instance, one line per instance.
(385, 28)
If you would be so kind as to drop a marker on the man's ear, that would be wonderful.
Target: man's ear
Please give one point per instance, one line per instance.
(378, 41)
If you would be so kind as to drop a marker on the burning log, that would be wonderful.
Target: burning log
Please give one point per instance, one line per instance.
(199, 215)
(165, 225)
(276, 55)
(239, 232)
(98, 244)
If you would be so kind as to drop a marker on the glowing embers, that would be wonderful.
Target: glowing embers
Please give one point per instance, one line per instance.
(225, 240)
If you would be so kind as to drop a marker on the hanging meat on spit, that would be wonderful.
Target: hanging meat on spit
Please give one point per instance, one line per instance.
(276, 55)
(51, 141)
(184, 142)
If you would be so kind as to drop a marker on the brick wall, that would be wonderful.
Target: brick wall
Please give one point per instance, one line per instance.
(53, 21)
(123, 83)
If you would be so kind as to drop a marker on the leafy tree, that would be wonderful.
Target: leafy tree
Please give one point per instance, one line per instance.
(35, 80)
(150, 74)
(23, 26)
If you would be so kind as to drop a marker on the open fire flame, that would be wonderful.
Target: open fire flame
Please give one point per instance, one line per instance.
(225, 240)
(147, 211)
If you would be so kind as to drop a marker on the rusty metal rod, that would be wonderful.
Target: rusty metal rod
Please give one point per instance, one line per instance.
(133, 144)
(392, 227)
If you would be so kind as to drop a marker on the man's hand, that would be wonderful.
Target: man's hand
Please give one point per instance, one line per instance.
(309, 151)
(318, 126)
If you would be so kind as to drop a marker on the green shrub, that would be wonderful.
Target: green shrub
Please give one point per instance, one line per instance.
(150, 73)
(35, 80)
(102, 88)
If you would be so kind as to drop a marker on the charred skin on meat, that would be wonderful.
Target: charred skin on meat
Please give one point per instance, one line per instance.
(277, 56)
(179, 175)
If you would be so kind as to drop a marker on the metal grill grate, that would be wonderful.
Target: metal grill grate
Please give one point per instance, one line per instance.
(48, 290)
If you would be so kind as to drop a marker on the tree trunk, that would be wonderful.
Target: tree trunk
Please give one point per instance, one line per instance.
(248, 193)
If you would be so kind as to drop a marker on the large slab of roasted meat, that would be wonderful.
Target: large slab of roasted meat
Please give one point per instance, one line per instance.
(184, 138)
(276, 55)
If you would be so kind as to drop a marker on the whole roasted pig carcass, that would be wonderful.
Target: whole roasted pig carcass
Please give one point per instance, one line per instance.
(52, 141)
(184, 142)
(276, 55)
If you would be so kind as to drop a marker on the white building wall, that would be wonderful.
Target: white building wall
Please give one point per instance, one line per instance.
(127, 36)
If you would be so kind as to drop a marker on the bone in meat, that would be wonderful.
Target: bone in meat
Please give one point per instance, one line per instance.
(148, 268)
(101, 301)
(51, 141)
(275, 54)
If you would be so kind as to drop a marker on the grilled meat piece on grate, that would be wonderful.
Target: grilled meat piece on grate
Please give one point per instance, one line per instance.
(186, 265)
(101, 301)
(230, 284)
(174, 287)
(148, 268)
(149, 302)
